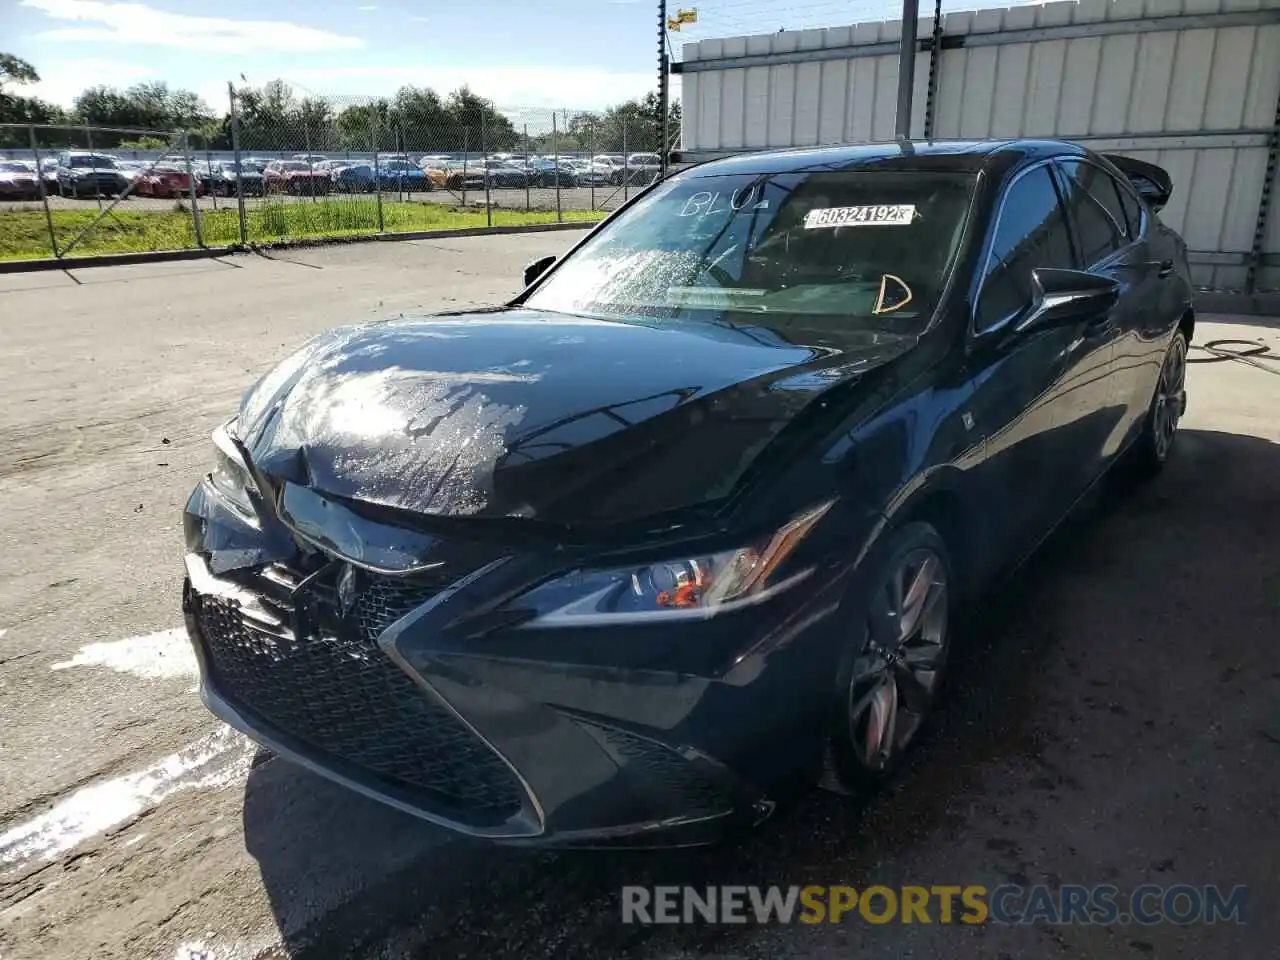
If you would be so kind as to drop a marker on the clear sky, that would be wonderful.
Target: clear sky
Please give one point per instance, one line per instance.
(520, 53)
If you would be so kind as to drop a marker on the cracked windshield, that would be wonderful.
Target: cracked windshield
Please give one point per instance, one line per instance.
(870, 248)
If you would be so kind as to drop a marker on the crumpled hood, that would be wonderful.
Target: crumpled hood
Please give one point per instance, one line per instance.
(517, 413)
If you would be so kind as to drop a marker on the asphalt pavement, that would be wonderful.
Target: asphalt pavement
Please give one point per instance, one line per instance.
(1113, 716)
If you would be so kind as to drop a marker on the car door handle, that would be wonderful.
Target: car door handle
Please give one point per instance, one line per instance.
(1166, 268)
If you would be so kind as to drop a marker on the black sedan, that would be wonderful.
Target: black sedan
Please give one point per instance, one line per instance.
(684, 528)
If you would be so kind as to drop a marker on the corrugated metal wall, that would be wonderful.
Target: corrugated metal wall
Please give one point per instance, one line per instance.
(1192, 85)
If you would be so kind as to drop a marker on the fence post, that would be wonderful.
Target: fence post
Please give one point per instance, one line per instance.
(191, 189)
(484, 153)
(208, 165)
(44, 197)
(555, 152)
(466, 149)
(377, 176)
(591, 165)
(626, 172)
(97, 188)
(235, 152)
(528, 174)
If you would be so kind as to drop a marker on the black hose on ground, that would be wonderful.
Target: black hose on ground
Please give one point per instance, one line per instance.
(1244, 351)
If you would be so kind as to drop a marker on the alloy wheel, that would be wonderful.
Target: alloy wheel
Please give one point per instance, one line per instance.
(1170, 396)
(895, 678)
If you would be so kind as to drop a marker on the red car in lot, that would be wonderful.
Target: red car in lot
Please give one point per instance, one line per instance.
(296, 177)
(165, 181)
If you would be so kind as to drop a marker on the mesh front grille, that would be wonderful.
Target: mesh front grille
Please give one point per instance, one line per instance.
(662, 771)
(343, 696)
(384, 600)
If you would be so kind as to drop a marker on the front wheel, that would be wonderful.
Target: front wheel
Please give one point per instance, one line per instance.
(1168, 404)
(892, 668)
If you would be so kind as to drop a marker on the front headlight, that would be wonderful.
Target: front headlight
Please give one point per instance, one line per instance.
(230, 476)
(689, 587)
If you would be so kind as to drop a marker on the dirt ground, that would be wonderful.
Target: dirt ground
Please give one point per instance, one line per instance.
(1114, 715)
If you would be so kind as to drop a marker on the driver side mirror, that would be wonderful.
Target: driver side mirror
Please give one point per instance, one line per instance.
(1065, 296)
(536, 269)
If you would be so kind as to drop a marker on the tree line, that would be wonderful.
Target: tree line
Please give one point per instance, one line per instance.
(275, 117)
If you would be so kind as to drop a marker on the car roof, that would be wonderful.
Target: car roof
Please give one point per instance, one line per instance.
(938, 155)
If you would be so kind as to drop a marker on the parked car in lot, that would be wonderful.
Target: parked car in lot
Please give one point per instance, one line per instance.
(612, 166)
(89, 175)
(250, 176)
(505, 173)
(437, 171)
(132, 169)
(294, 176)
(353, 178)
(166, 180)
(593, 174)
(643, 167)
(475, 174)
(550, 172)
(18, 181)
(49, 174)
(403, 175)
(686, 525)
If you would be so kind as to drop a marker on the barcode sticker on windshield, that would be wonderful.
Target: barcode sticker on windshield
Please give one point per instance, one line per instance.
(881, 215)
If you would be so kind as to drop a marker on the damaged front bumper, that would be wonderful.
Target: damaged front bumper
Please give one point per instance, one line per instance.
(358, 678)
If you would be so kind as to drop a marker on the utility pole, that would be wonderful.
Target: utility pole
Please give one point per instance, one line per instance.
(664, 91)
(907, 67)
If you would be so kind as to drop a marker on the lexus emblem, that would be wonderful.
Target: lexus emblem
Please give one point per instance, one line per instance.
(348, 588)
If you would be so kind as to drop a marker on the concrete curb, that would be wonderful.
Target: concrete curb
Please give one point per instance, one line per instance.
(114, 259)
(161, 256)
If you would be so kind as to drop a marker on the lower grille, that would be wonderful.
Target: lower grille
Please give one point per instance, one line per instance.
(676, 781)
(339, 693)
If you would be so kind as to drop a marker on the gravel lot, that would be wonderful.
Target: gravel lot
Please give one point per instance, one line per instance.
(1113, 718)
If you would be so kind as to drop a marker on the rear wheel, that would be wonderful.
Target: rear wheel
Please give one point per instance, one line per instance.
(893, 666)
(1169, 402)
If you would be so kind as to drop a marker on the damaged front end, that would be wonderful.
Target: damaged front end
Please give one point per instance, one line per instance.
(322, 633)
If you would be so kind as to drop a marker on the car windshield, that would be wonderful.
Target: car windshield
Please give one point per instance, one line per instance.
(101, 163)
(294, 165)
(870, 249)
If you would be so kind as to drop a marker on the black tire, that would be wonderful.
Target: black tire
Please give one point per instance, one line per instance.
(1155, 444)
(891, 650)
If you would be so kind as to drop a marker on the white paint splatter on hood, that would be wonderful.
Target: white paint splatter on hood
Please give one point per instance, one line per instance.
(165, 654)
(215, 761)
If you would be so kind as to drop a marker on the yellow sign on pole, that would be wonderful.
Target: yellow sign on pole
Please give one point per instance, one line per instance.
(687, 16)
(673, 24)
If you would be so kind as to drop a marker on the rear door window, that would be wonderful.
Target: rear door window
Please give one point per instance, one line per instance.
(1097, 216)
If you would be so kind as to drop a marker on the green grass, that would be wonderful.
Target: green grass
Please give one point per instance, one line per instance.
(24, 234)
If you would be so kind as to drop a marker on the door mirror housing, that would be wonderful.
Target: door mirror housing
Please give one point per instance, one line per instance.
(1066, 296)
(536, 269)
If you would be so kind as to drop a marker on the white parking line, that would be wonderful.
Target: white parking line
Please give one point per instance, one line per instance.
(167, 653)
(215, 761)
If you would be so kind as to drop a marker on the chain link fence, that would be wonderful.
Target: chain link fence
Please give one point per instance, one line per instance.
(282, 169)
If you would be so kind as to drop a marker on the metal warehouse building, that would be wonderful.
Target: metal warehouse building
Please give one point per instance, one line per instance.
(1192, 85)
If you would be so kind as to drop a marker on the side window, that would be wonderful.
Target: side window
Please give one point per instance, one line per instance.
(1030, 232)
(1132, 209)
(1095, 211)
